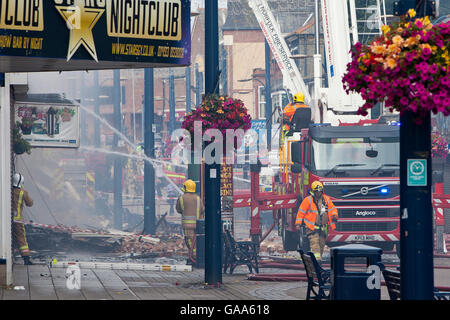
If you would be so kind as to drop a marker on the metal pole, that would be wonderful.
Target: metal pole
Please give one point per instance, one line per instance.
(224, 72)
(5, 183)
(171, 102)
(117, 160)
(268, 97)
(317, 64)
(213, 223)
(416, 225)
(96, 110)
(149, 148)
(82, 112)
(197, 86)
(188, 89)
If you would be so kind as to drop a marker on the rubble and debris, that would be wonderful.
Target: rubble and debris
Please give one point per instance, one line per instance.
(59, 238)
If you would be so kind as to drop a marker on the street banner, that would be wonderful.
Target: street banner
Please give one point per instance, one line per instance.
(49, 125)
(226, 193)
(62, 35)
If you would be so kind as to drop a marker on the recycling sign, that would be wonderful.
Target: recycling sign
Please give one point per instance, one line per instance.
(417, 172)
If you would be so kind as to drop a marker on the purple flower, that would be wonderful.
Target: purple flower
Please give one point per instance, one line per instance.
(410, 56)
(445, 81)
(404, 101)
(434, 69)
(436, 99)
(413, 106)
(422, 67)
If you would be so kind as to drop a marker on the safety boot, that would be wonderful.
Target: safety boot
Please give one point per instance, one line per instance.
(27, 261)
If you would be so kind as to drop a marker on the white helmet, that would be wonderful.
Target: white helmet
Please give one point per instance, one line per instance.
(18, 180)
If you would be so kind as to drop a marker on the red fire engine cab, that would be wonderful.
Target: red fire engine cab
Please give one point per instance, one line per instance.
(358, 165)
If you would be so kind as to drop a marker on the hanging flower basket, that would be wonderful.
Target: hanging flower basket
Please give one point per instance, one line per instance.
(20, 145)
(439, 146)
(221, 113)
(407, 67)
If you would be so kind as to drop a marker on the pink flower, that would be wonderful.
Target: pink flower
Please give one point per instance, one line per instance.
(434, 69)
(419, 24)
(410, 56)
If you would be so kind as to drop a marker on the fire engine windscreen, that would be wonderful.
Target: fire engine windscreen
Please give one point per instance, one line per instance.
(356, 156)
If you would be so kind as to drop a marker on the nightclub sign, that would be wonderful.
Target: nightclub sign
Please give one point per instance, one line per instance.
(56, 35)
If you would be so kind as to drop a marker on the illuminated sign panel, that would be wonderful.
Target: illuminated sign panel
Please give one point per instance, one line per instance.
(93, 34)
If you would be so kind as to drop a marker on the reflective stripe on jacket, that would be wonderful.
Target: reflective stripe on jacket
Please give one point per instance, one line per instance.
(307, 212)
(20, 196)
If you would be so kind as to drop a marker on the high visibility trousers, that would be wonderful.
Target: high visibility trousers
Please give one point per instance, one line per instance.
(190, 239)
(317, 243)
(20, 238)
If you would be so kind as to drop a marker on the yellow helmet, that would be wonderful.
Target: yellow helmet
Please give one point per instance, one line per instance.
(299, 97)
(189, 186)
(316, 186)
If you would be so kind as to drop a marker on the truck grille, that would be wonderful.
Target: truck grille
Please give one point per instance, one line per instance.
(366, 226)
(342, 191)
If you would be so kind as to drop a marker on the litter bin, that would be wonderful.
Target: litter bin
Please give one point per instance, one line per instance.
(355, 272)
(200, 244)
(2, 271)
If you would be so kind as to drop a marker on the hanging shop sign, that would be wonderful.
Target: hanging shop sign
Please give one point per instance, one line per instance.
(49, 125)
(60, 35)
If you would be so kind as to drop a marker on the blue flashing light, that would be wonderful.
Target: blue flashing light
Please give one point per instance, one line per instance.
(395, 123)
(384, 190)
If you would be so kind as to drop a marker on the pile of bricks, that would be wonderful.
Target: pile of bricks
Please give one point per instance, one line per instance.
(271, 245)
(173, 245)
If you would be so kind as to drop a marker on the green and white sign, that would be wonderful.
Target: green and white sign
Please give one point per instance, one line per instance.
(417, 172)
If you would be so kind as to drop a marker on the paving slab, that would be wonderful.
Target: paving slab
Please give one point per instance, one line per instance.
(20, 279)
(91, 287)
(114, 285)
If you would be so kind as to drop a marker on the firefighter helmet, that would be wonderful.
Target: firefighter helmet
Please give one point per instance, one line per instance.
(18, 180)
(299, 97)
(189, 186)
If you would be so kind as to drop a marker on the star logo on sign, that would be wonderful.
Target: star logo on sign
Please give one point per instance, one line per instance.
(80, 21)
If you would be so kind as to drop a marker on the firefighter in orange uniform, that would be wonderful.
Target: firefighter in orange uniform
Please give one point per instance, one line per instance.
(20, 196)
(289, 110)
(317, 212)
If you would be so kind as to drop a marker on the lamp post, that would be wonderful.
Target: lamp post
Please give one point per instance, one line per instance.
(213, 223)
(149, 149)
(117, 161)
(416, 223)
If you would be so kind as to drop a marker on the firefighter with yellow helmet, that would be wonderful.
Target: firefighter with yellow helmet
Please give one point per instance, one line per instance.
(191, 207)
(289, 110)
(20, 197)
(317, 212)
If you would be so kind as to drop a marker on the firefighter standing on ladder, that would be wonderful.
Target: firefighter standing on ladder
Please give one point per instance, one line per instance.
(318, 212)
(20, 196)
(191, 208)
(289, 111)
